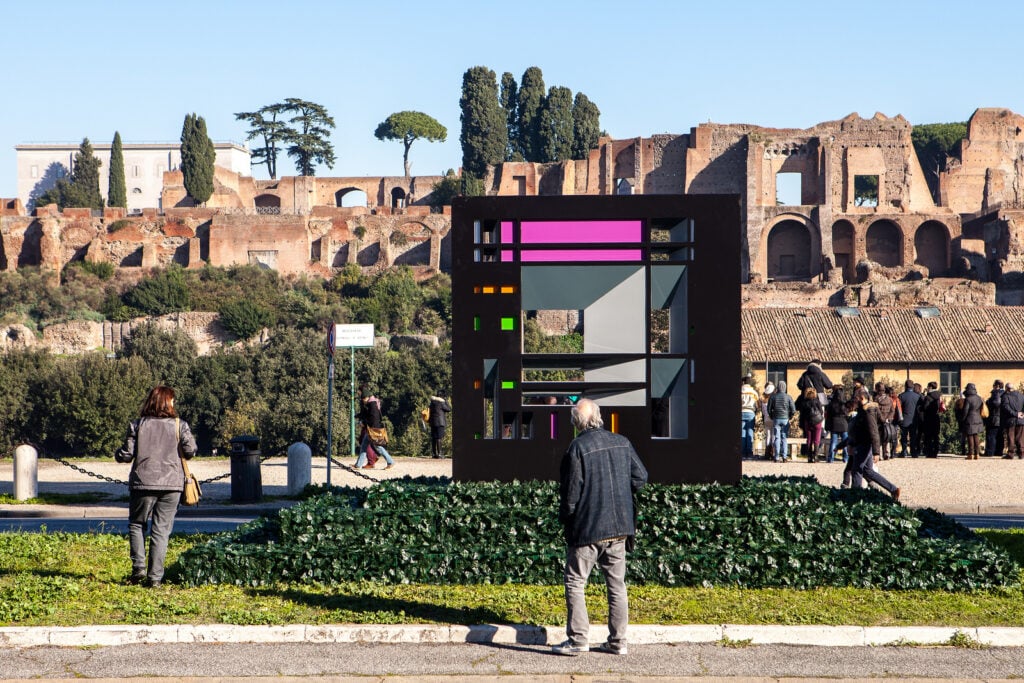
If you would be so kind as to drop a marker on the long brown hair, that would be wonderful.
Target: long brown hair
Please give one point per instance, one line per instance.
(159, 403)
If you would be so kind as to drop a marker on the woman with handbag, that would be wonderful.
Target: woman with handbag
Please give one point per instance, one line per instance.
(156, 444)
(374, 431)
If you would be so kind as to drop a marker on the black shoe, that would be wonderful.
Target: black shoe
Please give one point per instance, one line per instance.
(136, 579)
(154, 583)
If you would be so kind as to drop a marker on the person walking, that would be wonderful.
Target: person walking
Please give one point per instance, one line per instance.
(371, 417)
(1012, 419)
(766, 421)
(812, 416)
(438, 420)
(838, 424)
(600, 472)
(993, 423)
(782, 409)
(865, 434)
(155, 443)
(910, 440)
(971, 420)
(750, 405)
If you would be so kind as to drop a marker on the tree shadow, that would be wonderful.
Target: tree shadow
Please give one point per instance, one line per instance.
(54, 172)
(366, 604)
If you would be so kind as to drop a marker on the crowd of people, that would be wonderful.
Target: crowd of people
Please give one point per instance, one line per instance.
(879, 423)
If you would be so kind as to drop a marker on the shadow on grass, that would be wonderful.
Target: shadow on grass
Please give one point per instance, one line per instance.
(369, 604)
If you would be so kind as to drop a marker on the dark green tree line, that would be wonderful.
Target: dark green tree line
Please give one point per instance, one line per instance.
(197, 158)
(935, 143)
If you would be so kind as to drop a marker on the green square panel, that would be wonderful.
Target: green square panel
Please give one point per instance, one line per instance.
(508, 323)
(508, 384)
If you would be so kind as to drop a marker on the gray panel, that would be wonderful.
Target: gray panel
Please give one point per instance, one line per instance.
(617, 322)
(568, 288)
(664, 280)
(664, 373)
(632, 371)
(626, 398)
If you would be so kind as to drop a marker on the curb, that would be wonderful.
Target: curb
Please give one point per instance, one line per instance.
(818, 636)
(119, 511)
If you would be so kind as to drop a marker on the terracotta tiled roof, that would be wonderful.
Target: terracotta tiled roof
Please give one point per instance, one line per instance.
(981, 334)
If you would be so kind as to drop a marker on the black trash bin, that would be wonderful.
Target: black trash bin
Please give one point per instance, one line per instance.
(246, 480)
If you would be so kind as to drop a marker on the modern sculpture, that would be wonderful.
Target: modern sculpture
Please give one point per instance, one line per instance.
(651, 283)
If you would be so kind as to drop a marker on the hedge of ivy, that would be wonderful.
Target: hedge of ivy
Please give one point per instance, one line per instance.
(763, 532)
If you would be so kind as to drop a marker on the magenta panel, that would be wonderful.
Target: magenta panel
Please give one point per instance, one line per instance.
(587, 232)
(581, 255)
(505, 234)
(506, 255)
(554, 426)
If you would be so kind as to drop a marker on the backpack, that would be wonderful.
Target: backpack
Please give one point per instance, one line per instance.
(814, 413)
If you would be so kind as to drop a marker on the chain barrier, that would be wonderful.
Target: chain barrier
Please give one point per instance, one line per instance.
(63, 461)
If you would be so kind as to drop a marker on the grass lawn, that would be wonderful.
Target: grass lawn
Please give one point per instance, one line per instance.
(62, 579)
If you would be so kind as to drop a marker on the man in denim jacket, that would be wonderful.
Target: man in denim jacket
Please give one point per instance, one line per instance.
(600, 472)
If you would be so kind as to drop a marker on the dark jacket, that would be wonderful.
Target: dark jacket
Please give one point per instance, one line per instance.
(438, 408)
(780, 405)
(152, 443)
(599, 474)
(995, 407)
(370, 415)
(1013, 408)
(835, 414)
(864, 429)
(930, 408)
(970, 413)
(811, 412)
(910, 401)
(814, 377)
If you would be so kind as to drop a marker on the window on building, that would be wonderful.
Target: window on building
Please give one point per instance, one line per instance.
(949, 378)
(775, 373)
(35, 171)
(865, 190)
(135, 171)
(865, 370)
(788, 189)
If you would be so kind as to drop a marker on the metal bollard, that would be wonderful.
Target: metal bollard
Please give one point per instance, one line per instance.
(300, 465)
(26, 472)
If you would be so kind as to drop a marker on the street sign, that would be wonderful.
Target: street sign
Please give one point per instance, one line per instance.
(352, 336)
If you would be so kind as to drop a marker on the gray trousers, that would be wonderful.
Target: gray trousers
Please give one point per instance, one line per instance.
(161, 506)
(610, 556)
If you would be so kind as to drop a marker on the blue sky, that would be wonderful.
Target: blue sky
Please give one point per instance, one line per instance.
(85, 69)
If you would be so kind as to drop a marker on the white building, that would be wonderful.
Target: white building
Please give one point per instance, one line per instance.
(41, 165)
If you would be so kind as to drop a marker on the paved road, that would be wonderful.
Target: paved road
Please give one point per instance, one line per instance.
(493, 660)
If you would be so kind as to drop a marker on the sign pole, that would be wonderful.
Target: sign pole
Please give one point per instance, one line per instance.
(330, 411)
(352, 400)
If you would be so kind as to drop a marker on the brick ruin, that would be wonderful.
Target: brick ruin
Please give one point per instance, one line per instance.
(857, 223)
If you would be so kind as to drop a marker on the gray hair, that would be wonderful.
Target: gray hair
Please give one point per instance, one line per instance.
(586, 414)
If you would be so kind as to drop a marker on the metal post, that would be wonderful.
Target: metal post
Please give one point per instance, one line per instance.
(330, 418)
(352, 400)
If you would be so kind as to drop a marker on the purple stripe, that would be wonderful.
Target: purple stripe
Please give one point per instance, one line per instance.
(587, 232)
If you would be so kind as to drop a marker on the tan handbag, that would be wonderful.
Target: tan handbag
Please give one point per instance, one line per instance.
(192, 492)
(378, 436)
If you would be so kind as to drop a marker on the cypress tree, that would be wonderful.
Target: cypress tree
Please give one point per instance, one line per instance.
(586, 126)
(84, 189)
(197, 157)
(556, 129)
(530, 100)
(484, 135)
(117, 190)
(510, 103)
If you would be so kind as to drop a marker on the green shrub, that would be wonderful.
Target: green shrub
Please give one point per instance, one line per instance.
(243, 318)
(771, 532)
(119, 225)
(166, 292)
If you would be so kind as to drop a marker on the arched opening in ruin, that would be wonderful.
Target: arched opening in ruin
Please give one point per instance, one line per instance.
(410, 245)
(398, 198)
(842, 249)
(884, 243)
(350, 197)
(931, 248)
(789, 252)
(267, 203)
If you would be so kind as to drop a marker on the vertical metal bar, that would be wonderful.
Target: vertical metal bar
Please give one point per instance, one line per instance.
(330, 418)
(352, 400)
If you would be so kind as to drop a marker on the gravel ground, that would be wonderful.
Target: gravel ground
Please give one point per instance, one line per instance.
(949, 483)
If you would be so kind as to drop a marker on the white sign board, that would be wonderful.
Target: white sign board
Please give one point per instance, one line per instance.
(358, 336)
